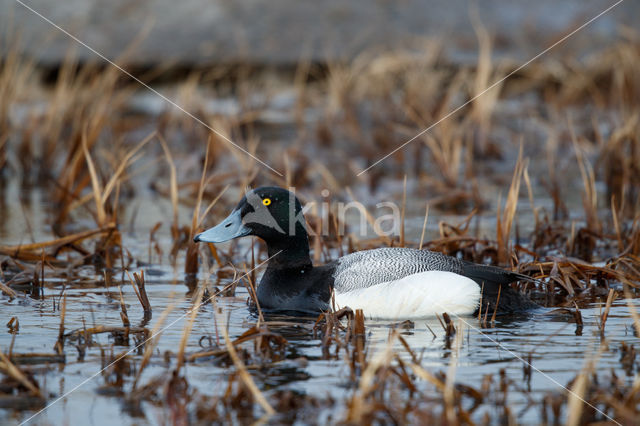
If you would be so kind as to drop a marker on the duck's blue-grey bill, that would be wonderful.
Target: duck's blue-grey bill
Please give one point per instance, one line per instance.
(230, 228)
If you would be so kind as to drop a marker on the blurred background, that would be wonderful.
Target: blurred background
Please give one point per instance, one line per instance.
(284, 32)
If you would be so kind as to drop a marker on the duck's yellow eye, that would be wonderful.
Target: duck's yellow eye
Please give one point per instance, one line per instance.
(266, 201)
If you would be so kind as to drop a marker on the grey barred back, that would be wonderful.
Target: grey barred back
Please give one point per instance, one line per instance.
(367, 268)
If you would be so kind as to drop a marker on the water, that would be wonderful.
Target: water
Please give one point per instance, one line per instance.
(558, 354)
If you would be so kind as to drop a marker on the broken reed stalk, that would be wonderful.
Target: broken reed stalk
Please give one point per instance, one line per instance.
(141, 291)
(14, 326)
(123, 311)
(359, 334)
(448, 326)
(59, 346)
(243, 373)
(577, 316)
(603, 318)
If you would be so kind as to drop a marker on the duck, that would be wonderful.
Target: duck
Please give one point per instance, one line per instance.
(389, 283)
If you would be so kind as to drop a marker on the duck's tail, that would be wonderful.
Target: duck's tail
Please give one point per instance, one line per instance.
(493, 281)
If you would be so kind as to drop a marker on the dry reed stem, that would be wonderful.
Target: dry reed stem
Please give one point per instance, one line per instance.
(101, 194)
(98, 329)
(59, 346)
(123, 164)
(191, 263)
(14, 372)
(211, 204)
(17, 251)
(123, 311)
(244, 375)
(196, 211)
(449, 394)
(427, 376)
(8, 290)
(603, 318)
(380, 359)
(447, 153)
(328, 177)
(534, 210)
(482, 106)
(495, 309)
(369, 217)
(140, 290)
(590, 196)
(504, 219)
(403, 210)
(424, 226)
(616, 224)
(95, 182)
(197, 218)
(188, 327)
(634, 314)
(575, 399)
(173, 179)
(151, 343)
(254, 295)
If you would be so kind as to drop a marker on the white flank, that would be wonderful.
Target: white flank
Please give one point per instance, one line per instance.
(420, 295)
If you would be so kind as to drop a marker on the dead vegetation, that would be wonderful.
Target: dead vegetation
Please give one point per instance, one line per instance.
(98, 156)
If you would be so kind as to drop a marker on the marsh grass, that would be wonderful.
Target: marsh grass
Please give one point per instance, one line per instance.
(92, 155)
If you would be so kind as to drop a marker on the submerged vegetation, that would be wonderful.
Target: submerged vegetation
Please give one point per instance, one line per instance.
(540, 174)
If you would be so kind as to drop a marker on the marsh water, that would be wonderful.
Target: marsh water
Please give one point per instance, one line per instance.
(558, 354)
(550, 338)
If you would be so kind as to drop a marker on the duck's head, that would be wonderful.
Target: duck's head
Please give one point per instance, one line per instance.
(271, 213)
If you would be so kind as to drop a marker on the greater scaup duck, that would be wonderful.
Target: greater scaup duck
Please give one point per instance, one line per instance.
(386, 283)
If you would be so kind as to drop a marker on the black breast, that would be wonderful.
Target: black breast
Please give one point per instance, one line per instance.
(304, 289)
